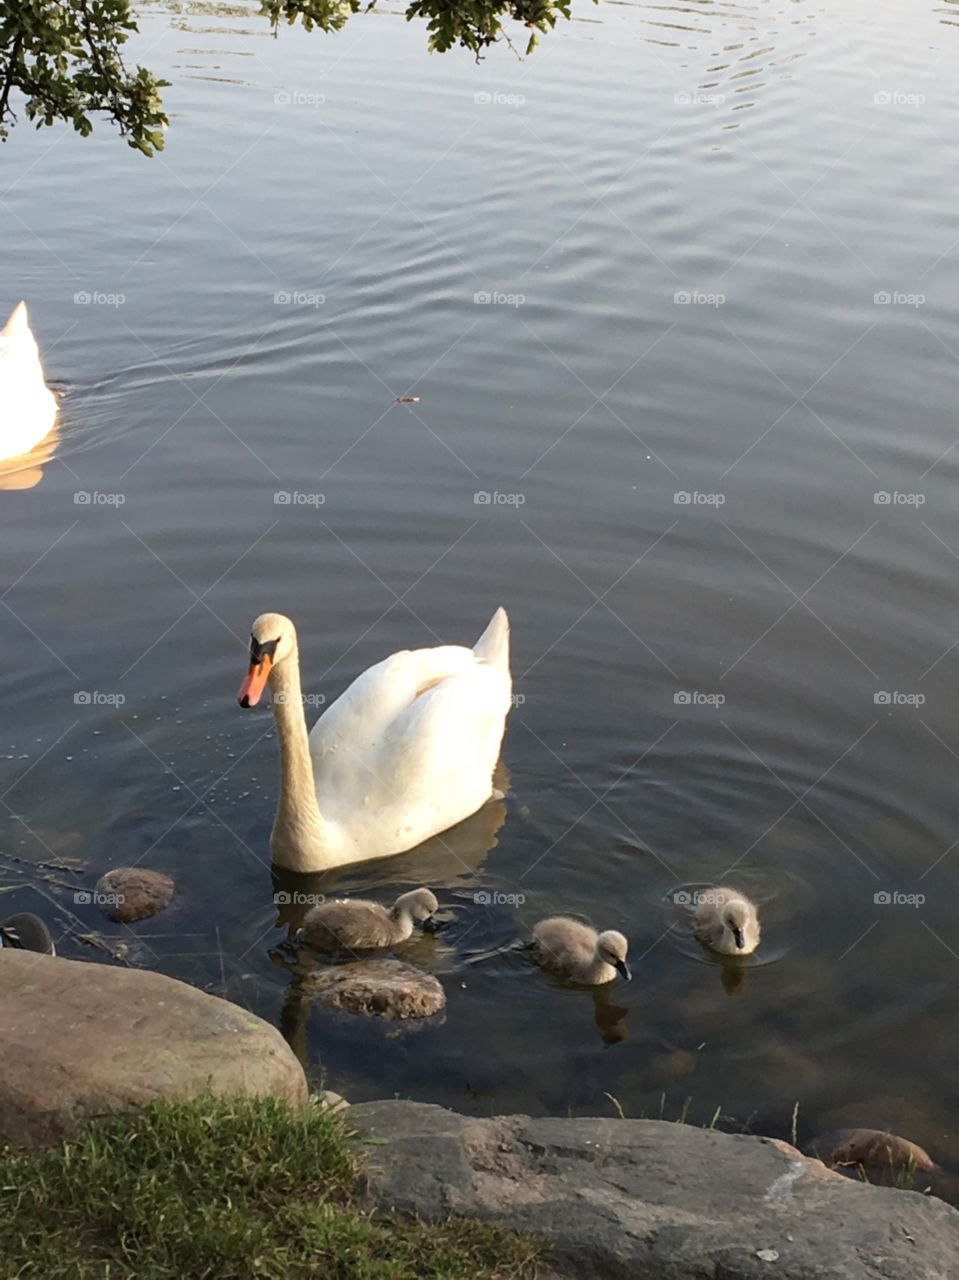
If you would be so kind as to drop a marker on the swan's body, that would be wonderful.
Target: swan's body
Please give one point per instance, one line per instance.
(727, 921)
(354, 924)
(578, 953)
(28, 407)
(407, 751)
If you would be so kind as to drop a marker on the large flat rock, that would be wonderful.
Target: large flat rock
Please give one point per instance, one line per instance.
(649, 1200)
(80, 1040)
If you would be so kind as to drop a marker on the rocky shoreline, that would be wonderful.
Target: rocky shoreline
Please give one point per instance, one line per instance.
(613, 1197)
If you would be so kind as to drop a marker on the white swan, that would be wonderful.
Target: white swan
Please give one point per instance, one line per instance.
(27, 406)
(407, 751)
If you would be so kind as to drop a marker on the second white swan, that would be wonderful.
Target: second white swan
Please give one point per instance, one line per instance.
(28, 407)
(407, 751)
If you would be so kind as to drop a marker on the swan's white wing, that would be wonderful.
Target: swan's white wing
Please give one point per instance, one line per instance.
(416, 736)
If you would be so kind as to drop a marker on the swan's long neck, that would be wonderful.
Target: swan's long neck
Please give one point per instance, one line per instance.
(298, 831)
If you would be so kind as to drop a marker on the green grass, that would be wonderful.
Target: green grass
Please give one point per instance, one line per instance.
(223, 1189)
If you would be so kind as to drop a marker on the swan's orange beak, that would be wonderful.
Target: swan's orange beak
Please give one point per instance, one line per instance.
(255, 682)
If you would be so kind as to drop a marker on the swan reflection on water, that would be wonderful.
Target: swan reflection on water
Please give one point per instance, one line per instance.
(25, 471)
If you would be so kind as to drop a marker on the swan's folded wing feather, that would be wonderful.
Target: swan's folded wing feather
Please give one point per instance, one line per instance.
(420, 734)
(362, 713)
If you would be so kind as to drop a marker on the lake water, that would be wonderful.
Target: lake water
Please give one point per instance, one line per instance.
(713, 398)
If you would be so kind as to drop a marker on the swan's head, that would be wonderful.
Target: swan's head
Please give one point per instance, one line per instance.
(420, 903)
(272, 641)
(612, 947)
(736, 918)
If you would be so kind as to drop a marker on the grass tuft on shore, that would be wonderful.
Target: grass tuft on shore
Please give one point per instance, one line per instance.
(223, 1189)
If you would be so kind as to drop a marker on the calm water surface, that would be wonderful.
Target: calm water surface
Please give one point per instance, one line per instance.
(731, 656)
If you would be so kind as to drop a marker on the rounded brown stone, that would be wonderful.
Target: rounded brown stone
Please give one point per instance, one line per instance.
(379, 988)
(127, 894)
(880, 1153)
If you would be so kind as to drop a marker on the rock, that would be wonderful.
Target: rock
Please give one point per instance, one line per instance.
(381, 988)
(814, 1168)
(133, 893)
(82, 1039)
(873, 1149)
(886, 1160)
(623, 1199)
(331, 1101)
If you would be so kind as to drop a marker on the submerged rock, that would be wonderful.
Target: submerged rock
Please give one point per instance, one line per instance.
(621, 1199)
(127, 894)
(82, 1039)
(331, 1101)
(379, 988)
(872, 1149)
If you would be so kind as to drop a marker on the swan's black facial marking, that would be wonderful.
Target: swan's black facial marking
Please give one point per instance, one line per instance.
(738, 935)
(260, 649)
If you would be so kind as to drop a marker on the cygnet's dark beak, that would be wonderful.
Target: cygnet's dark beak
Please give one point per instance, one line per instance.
(429, 925)
(622, 968)
(738, 935)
